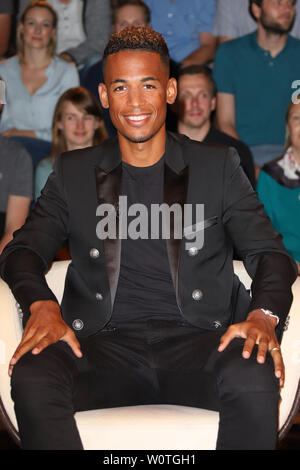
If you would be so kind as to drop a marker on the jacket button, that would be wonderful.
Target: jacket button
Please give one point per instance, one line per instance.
(197, 294)
(77, 324)
(217, 324)
(193, 251)
(99, 296)
(94, 253)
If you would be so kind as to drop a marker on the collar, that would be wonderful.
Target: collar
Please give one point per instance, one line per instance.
(110, 156)
(265, 53)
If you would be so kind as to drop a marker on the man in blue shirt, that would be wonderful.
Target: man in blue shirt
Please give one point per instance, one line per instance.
(254, 76)
(186, 27)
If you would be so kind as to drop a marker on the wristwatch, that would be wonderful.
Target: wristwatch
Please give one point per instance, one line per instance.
(270, 314)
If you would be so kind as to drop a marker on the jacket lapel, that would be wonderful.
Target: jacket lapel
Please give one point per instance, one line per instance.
(108, 175)
(175, 192)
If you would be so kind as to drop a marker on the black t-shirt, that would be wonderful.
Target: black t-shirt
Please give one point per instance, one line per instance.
(145, 289)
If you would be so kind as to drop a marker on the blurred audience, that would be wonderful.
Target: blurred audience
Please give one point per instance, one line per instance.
(196, 102)
(83, 29)
(233, 19)
(186, 27)
(16, 176)
(254, 75)
(35, 78)
(6, 12)
(124, 13)
(278, 186)
(77, 123)
(16, 184)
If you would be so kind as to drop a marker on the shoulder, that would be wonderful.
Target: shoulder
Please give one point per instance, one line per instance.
(10, 64)
(293, 43)
(237, 44)
(44, 165)
(201, 154)
(272, 173)
(81, 159)
(9, 149)
(62, 66)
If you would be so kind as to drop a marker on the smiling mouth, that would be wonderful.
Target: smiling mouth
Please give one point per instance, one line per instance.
(137, 119)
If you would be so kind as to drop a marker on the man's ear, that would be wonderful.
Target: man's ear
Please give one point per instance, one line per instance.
(171, 90)
(102, 90)
(256, 10)
(213, 104)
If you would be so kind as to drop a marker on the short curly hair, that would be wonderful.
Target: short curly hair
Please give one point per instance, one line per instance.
(137, 38)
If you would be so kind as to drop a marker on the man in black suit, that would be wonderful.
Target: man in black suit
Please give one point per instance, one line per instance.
(162, 320)
(196, 102)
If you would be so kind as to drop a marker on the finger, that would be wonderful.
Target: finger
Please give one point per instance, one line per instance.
(248, 346)
(228, 336)
(73, 342)
(263, 347)
(42, 344)
(26, 345)
(278, 365)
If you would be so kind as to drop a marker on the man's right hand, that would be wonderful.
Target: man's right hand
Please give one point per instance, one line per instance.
(44, 327)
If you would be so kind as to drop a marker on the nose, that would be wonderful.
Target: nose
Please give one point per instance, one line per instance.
(38, 28)
(194, 102)
(79, 124)
(135, 97)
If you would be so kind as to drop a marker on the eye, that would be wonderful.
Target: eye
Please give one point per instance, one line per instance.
(119, 88)
(149, 86)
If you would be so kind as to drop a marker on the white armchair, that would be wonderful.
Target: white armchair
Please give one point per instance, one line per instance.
(156, 427)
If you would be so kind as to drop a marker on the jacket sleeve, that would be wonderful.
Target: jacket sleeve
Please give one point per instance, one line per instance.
(26, 259)
(271, 268)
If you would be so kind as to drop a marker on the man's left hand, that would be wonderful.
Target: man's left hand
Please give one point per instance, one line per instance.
(257, 329)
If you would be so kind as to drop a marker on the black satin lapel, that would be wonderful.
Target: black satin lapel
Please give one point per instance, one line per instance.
(108, 191)
(175, 191)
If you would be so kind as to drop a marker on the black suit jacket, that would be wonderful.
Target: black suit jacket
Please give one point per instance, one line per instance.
(194, 173)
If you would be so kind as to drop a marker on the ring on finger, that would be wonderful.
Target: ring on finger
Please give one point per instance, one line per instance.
(275, 349)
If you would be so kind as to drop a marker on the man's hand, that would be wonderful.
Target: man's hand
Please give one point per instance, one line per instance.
(44, 327)
(257, 329)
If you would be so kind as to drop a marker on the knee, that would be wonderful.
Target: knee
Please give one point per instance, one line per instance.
(245, 375)
(33, 374)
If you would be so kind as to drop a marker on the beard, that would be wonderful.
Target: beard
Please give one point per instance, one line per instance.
(273, 27)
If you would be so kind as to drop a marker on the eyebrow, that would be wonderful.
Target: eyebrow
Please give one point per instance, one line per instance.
(145, 79)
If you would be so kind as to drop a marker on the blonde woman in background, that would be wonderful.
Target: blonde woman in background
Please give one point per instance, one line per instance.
(77, 123)
(35, 79)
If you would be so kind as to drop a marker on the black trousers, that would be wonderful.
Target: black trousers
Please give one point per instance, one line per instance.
(151, 362)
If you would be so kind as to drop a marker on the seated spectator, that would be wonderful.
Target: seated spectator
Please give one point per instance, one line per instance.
(186, 27)
(77, 123)
(124, 13)
(278, 186)
(35, 78)
(254, 75)
(196, 103)
(233, 19)
(83, 28)
(15, 188)
(6, 11)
